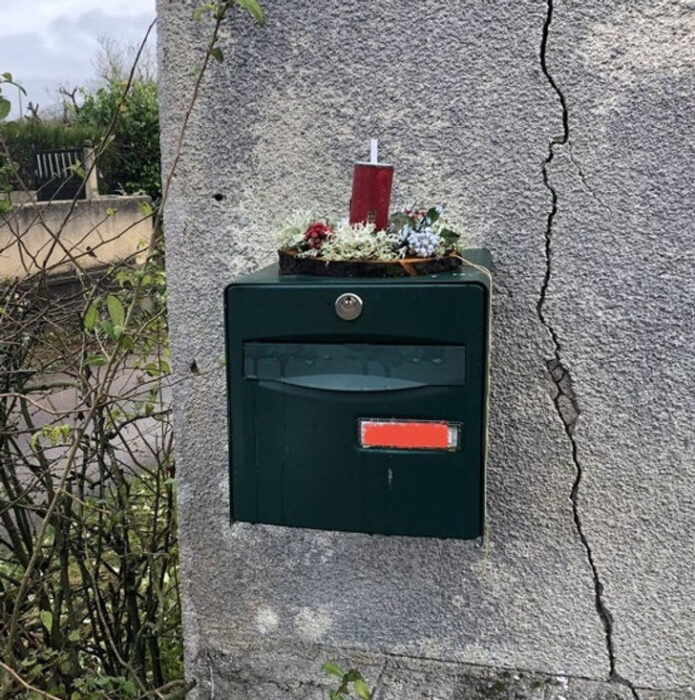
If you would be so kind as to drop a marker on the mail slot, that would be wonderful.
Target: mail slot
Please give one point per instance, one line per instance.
(368, 421)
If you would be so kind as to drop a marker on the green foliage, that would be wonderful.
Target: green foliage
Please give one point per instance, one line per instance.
(130, 161)
(220, 8)
(254, 9)
(350, 681)
(99, 687)
(8, 176)
(129, 157)
(101, 617)
(55, 433)
(5, 104)
(89, 604)
(21, 140)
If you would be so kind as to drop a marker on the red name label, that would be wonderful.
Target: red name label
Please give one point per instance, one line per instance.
(409, 434)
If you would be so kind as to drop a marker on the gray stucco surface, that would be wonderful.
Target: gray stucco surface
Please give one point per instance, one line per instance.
(590, 481)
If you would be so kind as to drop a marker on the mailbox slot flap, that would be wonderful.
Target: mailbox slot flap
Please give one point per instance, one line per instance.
(355, 367)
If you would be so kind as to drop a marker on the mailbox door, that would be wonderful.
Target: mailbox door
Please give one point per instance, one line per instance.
(297, 456)
(316, 474)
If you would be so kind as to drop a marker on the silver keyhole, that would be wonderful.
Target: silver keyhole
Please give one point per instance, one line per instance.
(348, 306)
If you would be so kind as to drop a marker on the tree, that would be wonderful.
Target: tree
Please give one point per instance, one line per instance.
(114, 60)
(130, 159)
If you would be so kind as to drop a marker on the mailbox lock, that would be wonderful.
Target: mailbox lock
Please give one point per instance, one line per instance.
(348, 306)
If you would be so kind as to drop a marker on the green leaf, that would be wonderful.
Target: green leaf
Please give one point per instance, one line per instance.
(129, 688)
(107, 327)
(217, 54)
(74, 636)
(116, 310)
(254, 8)
(448, 236)
(91, 317)
(145, 207)
(200, 11)
(399, 219)
(153, 369)
(96, 360)
(77, 169)
(127, 343)
(333, 669)
(5, 106)
(33, 442)
(432, 214)
(7, 77)
(335, 695)
(46, 619)
(362, 690)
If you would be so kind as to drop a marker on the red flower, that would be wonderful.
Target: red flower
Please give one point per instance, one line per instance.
(316, 233)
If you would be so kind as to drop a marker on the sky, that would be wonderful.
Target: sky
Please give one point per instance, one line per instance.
(47, 43)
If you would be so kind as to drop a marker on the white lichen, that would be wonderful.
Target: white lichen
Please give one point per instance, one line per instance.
(359, 242)
(292, 234)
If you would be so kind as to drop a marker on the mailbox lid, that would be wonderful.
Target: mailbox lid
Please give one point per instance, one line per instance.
(434, 311)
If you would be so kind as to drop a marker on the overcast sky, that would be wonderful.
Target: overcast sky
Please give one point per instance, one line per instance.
(47, 43)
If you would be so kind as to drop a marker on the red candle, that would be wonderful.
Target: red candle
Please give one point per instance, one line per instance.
(371, 192)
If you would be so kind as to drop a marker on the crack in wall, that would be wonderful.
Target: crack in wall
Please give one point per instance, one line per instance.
(585, 181)
(376, 689)
(563, 395)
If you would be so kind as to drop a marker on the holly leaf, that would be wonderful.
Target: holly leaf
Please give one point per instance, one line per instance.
(399, 220)
(448, 236)
(432, 214)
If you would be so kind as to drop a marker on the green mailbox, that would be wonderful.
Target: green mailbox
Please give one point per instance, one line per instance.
(359, 404)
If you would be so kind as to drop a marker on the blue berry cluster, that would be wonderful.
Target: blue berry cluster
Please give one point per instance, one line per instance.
(423, 243)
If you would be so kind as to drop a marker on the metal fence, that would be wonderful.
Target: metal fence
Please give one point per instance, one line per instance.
(58, 174)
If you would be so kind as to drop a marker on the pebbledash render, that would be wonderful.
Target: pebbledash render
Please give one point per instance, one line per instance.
(560, 136)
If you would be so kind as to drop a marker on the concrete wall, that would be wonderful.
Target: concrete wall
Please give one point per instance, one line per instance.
(100, 231)
(561, 135)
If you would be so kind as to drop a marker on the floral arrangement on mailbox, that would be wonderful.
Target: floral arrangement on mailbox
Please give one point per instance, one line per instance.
(371, 243)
